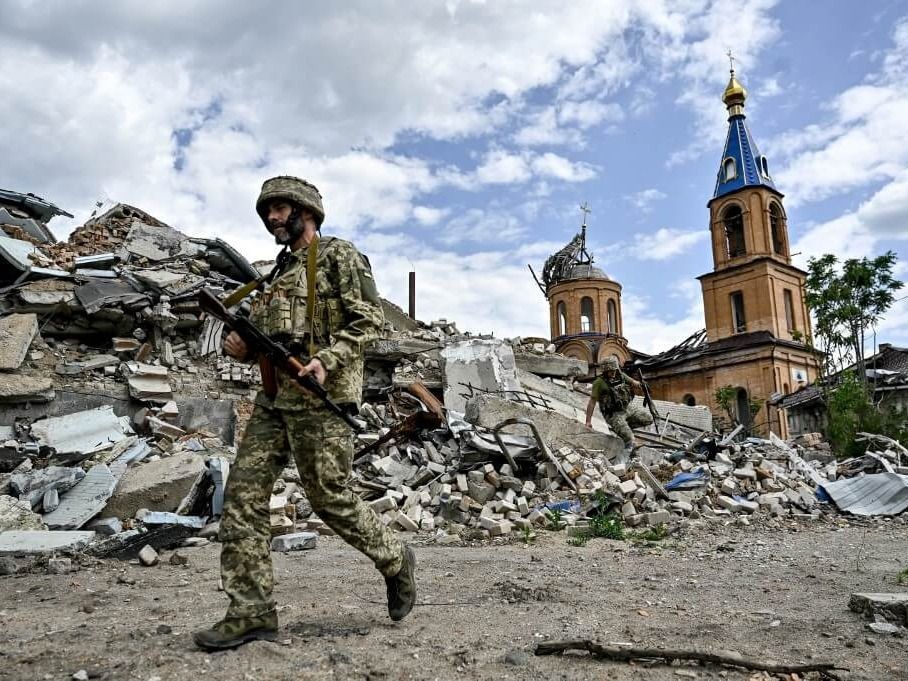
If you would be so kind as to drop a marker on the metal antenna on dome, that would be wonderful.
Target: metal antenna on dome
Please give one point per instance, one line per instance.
(586, 210)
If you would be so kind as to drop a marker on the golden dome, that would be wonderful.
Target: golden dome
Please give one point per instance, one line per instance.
(734, 94)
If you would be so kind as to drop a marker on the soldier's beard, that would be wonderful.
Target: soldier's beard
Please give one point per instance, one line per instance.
(290, 231)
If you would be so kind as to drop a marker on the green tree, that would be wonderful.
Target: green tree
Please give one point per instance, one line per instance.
(847, 302)
(850, 410)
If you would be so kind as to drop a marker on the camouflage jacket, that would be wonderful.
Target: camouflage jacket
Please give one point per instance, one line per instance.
(348, 315)
(612, 395)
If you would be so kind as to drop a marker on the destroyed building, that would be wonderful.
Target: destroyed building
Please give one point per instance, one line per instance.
(758, 337)
(119, 414)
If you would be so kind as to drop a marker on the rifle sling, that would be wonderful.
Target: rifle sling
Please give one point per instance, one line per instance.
(311, 257)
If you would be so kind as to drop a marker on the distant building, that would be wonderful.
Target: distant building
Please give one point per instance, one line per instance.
(887, 375)
(584, 305)
(758, 334)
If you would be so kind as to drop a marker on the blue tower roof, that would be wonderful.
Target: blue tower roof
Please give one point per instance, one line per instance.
(742, 164)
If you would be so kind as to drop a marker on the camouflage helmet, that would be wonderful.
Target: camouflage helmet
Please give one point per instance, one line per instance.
(610, 363)
(293, 189)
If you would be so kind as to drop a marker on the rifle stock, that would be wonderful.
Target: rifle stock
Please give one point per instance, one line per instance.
(279, 355)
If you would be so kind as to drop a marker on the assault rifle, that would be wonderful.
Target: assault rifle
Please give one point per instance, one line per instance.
(647, 398)
(279, 355)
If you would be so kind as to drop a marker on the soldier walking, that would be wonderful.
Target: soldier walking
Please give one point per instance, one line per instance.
(613, 392)
(323, 303)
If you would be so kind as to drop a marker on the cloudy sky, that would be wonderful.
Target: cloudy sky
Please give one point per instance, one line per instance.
(459, 138)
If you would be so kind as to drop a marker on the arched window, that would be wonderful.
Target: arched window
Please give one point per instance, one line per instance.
(785, 389)
(742, 408)
(612, 317)
(734, 231)
(689, 400)
(587, 320)
(789, 310)
(738, 320)
(764, 167)
(777, 228)
(729, 170)
(561, 313)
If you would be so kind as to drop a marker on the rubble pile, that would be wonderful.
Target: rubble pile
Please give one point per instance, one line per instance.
(118, 411)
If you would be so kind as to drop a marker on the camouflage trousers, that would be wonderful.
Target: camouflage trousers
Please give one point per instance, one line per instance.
(322, 447)
(622, 423)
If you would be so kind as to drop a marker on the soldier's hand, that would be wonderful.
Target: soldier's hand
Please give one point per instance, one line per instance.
(235, 346)
(316, 368)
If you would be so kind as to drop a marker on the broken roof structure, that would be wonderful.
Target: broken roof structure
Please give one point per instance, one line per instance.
(29, 213)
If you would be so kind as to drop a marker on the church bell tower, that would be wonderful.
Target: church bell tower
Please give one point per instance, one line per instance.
(753, 286)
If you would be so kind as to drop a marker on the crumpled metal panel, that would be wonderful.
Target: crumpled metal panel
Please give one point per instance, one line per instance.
(876, 494)
(83, 431)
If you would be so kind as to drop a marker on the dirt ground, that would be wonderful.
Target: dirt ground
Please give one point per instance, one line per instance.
(778, 593)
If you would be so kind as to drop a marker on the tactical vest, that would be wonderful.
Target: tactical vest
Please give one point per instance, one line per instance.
(281, 309)
(614, 396)
(281, 312)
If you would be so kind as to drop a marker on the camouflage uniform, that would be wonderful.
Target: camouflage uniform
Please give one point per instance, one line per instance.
(618, 410)
(348, 315)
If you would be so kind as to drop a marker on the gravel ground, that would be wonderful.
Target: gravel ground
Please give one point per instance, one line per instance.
(765, 592)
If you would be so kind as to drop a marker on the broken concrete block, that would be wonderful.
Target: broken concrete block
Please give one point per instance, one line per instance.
(17, 331)
(745, 473)
(482, 492)
(50, 501)
(84, 501)
(298, 541)
(105, 526)
(728, 503)
(682, 506)
(15, 388)
(32, 485)
(748, 506)
(59, 566)
(383, 504)
(557, 430)
(657, 518)
(156, 485)
(729, 486)
(484, 364)
(148, 556)
(17, 514)
(628, 487)
(406, 522)
(82, 432)
(628, 509)
(14, 542)
(891, 606)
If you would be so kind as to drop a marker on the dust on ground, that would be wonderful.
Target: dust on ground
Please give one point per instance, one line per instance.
(765, 593)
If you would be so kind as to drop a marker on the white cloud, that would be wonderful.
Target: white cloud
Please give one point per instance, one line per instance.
(426, 215)
(864, 142)
(666, 243)
(644, 199)
(653, 334)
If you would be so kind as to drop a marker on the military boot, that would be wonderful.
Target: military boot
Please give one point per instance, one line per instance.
(231, 632)
(402, 587)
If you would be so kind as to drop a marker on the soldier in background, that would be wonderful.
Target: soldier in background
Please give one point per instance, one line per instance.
(613, 391)
(331, 329)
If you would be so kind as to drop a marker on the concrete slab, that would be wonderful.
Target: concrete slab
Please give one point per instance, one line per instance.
(37, 542)
(489, 411)
(17, 331)
(892, 606)
(16, 514)
(84, 501)
(475, 366)
(85, 431)
(556, 366)
(21, 388)
(156, 485)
